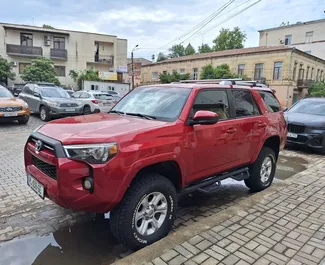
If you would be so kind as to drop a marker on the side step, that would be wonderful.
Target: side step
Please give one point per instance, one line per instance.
(212, 183)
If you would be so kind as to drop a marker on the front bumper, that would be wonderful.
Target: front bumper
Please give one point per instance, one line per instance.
(64, 111)
(312, 138)
(63, 177)
(20, 115)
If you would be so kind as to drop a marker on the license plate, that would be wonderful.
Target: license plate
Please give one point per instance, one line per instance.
(70, 109)
(35, 185)
(107, 103)
(10, 114)
(292, 135)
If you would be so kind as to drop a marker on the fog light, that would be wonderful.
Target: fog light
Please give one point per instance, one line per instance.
(88, 184)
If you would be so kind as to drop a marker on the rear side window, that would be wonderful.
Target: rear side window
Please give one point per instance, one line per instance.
(212, 100)
(244, 103)
(103, 97)
(271, 102)
(27, 90)
(84, 95)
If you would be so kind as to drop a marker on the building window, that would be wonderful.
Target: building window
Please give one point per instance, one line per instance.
(22, 67)
(307, 73)
(259, 71)
(164, 72)
(294, 71)
(301, 73)
(195, 73)
(287, 39)
(155, 75)
(312, 74)
(277, 73)
(317, 75)
(308, 52)
(182, 71)
(26, 39)
(59, 70)
(241, 70)
(309, 36)
(321, 75)
(59, 43)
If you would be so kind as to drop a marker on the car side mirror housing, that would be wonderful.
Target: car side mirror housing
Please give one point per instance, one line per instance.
(285, 109)
(37, 95)
(204, 117)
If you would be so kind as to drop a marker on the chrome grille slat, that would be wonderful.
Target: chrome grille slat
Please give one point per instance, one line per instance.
(10, 109)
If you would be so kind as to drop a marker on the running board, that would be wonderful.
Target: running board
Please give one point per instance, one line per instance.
(212, 183)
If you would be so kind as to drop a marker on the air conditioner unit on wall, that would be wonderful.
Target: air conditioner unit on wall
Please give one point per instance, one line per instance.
(47, 42)
(47, 37)
(14, 64)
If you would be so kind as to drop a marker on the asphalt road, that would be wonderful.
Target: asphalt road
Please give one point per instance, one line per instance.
(33, 231)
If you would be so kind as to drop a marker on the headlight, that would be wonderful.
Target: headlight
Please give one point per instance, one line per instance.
(25, 105)
(79, 104)
(92, 153)
(52, 104)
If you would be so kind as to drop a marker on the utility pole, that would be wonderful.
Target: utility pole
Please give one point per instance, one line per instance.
(132, 65)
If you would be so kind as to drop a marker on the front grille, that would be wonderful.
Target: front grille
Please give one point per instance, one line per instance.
(46, 168)
(68, 105)
(296, 128)
(10, 109)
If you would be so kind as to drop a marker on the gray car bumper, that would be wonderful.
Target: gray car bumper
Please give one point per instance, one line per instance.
(65, 111)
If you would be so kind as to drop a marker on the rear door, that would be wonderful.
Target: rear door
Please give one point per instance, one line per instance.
(105, 101)
(250, 124)
(26, 96)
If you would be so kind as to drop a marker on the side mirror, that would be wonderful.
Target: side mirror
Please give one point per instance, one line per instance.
(37, 95)
(204, 117)
(285, 109)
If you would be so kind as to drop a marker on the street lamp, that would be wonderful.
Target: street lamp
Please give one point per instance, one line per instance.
(132, 67)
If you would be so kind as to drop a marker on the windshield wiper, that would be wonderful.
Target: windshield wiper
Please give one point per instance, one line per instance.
(117, 112)
(148, 117)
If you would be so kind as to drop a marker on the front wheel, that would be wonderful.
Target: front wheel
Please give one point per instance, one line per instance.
(24, 120)
(262, 171)
(146, 213)
(86, 110)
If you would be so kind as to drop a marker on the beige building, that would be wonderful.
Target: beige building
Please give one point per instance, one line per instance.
(288, 70)
(69, 50)
(308, 37)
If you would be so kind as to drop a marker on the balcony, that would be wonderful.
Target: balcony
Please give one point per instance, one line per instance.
(27, 51)
(304, 83)
(59, 54)
(105, 59)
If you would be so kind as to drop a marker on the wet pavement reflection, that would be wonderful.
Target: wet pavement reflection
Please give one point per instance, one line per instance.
(92, 243)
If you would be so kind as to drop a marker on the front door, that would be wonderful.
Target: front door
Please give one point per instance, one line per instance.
(212, 147)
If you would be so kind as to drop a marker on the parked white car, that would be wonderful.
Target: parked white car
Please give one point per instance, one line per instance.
(94, 101)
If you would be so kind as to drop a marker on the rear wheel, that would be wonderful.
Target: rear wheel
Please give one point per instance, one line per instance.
(87, 110)
(44, 114)
(146, 213)
(24, 120)
(262, 171)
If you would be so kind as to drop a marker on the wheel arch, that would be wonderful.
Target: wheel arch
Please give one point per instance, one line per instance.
(273, 142)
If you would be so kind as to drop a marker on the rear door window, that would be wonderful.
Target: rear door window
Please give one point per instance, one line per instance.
(244, 103)
(271, 102)
(84, 95)
(103, 97)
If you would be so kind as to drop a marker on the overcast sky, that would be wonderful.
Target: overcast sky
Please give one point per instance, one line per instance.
(154, 24)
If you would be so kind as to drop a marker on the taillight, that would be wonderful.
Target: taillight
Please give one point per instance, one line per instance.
(95, 101)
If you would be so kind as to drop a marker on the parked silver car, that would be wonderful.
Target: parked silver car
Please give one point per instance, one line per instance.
(49, 101)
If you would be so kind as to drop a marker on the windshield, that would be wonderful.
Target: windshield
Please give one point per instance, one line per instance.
(164, 103)
(309, 107)
(103, 96)
(54, 93)
(4, 93)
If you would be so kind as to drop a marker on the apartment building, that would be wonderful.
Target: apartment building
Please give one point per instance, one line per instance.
(137, 64)
(288, 70)
(308, 37)
(69, 50)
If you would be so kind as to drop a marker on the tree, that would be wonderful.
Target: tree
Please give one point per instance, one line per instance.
(47, 26)
(317, 89)
(161, 57)
(6, 70)
(222, 71)
(174, 77)
(40, 70)
(229, 39)
(177, 50)
(204, 48)
(89, 74)
(189, 50)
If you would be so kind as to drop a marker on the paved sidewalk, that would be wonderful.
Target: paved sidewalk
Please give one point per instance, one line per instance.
(284, 224)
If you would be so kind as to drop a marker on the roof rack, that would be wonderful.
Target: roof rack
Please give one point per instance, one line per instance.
(225, 81)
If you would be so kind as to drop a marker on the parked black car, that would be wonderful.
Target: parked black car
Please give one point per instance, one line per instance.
(17, 88)
(306, 123)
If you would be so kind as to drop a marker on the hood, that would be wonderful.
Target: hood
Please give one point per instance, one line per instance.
(10, 102)
(96, 128)
(61, 100)
(305, 119)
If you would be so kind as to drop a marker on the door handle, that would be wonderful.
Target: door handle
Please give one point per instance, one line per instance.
(261, 125)
(231, 131)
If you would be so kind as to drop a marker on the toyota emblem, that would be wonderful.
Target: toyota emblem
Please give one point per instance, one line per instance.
(38, 146)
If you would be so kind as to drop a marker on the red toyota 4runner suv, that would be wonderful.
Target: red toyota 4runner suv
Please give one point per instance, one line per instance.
(157, 142)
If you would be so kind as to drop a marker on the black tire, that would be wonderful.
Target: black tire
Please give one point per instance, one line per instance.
(87, 110)
(122, 217)
(254, 182)
(46, 115)
(24, 120)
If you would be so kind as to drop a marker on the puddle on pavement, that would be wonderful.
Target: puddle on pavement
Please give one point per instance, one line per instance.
(92, 242)
(85, 244)
(289, 166)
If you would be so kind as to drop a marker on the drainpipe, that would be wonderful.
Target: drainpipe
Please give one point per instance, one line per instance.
(290, 76)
